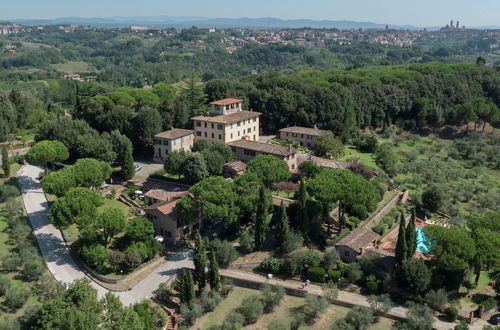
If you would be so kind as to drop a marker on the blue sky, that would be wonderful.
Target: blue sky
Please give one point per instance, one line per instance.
(415, 12)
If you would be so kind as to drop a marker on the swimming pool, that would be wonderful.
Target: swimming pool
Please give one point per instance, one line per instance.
(423, 243)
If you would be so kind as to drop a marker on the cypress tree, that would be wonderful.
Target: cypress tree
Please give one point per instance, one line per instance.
(5, 161)
(401, 248)
(213, 272)
(127, 171)
(200, 261)
(302, 211)
(186, 287)
(411, 236)
(282, 224)
(261, 220)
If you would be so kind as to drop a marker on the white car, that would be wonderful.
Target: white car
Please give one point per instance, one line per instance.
(137, 167)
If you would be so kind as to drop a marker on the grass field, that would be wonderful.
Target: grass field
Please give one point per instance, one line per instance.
(73, 67)
(365, 158)
(284, 312)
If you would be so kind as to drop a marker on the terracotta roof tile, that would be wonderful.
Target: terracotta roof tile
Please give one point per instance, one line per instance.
(174, 133)
(228, 119)
(304, 130)
(266, 148)
(226, 101)
(358, 238)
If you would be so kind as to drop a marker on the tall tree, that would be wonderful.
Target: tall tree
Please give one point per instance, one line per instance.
(200, 261)
(270, 169)
(110, 221)
(411, 236)
(195, 97)
(401, 248)
(213, 272)
(303, 220)
(330, 145)
(46, 152)
(261, 220)
(186, 287)
(79, 206)
(5, 161)
(282, 224)
(173, 161)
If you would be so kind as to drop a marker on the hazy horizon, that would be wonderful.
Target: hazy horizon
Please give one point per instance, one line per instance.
(398, 12)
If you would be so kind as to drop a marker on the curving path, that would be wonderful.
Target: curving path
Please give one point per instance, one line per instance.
(57, 256)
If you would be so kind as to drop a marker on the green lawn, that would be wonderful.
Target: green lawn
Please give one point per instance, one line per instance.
(116, 203)
(364, 157)
(73, 67)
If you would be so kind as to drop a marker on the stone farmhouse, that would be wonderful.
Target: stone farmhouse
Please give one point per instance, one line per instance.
(355, 243)
(304, 135)
(167, 222)
(174, 139)
(246, 150)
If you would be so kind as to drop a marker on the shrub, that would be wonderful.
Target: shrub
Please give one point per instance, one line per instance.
(272, 265)
(247, 241)
(489, 303)
(355, 220)
(234, 320)
(372, 284)
(289, 267)
(330, 258)
(164, 292)
(380, 228)
(133, 260)
(277, 324)
(334, 275)
(360, 317)
(314, 306)
(451, 313)
(33, 269)
(271, 296)
(116, 259)
(209, 299)
(94, 256)
(8, 323)
(353, 272)
(293, 241)
(436, 299)
(251, 308)
(350, 225)
(16, 297)
(141, 249)
(359, 211)
(330, 292)
(316, 274)
(11, 262)
(225, 252)
(190, 312)
(4, 285)
(226, 287)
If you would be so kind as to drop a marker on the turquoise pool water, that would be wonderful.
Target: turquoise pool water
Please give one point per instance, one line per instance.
(423, 243)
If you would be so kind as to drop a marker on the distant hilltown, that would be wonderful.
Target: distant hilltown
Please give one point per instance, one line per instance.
(234, 38)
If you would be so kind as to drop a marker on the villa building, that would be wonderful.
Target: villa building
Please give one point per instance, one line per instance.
(167, 222)
(174, 139)
(355, 244)
(246, 150)
(227, 122)
(304, 135)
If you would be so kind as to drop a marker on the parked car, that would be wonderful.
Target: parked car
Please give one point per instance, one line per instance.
(495, 319)
(137, 167)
